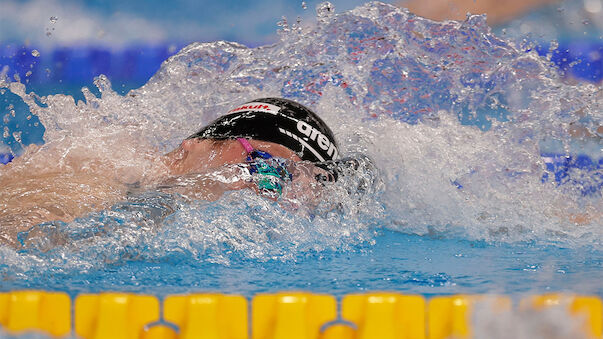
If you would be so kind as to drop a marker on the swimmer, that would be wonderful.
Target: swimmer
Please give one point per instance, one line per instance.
(499, 12)
(259, 140)
(275, 147)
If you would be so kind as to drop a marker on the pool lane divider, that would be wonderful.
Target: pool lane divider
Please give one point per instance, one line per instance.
(284, 315)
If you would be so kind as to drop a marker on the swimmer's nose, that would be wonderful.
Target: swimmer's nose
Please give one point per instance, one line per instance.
(187, 144)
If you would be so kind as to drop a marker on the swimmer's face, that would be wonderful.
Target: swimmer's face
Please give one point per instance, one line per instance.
(202, 155)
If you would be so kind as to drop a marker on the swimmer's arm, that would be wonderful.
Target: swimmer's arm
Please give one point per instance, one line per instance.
(207, 186)
(29, 199)
(498, 11)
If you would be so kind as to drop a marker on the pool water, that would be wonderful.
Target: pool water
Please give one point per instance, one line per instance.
(393, 261)
(476, 172)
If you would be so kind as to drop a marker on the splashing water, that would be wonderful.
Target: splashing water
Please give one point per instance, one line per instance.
(454, 118)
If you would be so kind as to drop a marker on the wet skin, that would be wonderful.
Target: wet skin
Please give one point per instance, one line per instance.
(31, 197)
(203, 155)
(194, 166)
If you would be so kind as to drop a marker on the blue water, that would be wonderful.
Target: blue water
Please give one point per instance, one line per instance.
(455, 118)
(396, 261)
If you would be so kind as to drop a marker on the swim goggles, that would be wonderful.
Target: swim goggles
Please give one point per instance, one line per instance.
(266, 171)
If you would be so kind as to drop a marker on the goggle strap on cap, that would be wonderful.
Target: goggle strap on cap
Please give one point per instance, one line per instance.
(246, 145)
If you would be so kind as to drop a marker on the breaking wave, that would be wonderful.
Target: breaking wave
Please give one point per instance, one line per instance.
(454, 118)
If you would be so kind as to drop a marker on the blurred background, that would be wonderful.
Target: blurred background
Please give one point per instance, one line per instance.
(59, 46)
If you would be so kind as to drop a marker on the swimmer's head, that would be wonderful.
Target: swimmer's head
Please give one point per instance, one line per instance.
(280, 121)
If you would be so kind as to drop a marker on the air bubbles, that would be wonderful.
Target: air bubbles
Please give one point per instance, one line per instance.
(552, 48)
(324, 10)
(53, 20)
(284, 26)
(102, 83)
(17, 136)
(35, 53)
(304, 5)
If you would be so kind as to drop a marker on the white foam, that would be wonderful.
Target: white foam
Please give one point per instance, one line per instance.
(392, 86)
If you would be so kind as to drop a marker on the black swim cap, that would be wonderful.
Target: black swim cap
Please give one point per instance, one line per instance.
(277, 120)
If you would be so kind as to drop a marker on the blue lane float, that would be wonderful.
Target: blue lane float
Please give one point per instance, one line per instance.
(582, 60)
(78, 64)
